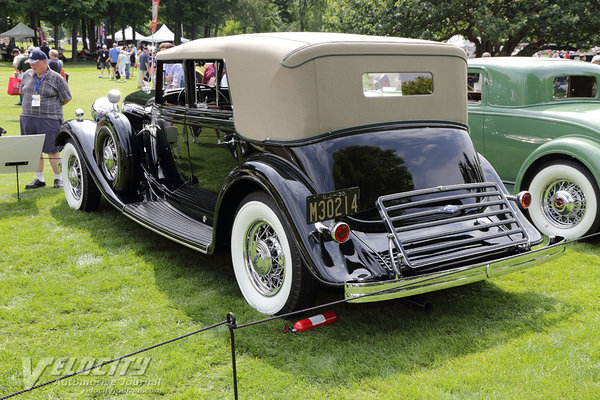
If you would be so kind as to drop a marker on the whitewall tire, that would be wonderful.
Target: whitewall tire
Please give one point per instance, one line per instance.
(266, 262)
(80, 190)
(564, 200)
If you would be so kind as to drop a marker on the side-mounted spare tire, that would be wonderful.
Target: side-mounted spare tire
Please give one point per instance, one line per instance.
(114, 155)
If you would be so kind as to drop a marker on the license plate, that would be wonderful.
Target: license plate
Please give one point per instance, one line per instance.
(324, 206)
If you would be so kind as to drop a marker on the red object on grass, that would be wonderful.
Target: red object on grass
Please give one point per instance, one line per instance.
(313, 322)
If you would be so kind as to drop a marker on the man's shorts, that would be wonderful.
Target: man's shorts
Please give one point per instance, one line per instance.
(46, 126)
(113, 64)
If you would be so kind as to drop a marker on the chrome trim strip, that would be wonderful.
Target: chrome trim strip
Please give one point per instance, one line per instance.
(364, 292)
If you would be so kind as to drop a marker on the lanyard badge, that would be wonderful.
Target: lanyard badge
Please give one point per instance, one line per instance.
(36, 98)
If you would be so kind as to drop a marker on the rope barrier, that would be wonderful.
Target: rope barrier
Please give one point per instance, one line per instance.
(112, 361)
(232, 324)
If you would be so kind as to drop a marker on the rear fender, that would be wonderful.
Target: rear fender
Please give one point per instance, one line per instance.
(582, 149)
(289, 188)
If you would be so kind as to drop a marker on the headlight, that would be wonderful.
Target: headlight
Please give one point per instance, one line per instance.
(101, 106)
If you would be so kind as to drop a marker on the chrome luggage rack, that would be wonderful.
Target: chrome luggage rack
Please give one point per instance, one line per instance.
(449, 224)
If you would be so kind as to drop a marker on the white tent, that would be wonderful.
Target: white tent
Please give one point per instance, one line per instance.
(128, 35)
(164, 35)
(20, 31)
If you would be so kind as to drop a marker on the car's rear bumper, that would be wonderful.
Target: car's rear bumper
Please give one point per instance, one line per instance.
(363, 292)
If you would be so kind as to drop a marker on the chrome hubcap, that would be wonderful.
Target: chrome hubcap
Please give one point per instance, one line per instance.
(74, 177)
(264, 258)
(563, 203)
(109, 159)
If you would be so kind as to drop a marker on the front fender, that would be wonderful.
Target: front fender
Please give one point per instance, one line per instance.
(83, 133)
(583, 149)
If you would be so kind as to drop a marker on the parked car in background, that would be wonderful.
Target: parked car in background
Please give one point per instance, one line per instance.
(343, 160)
(537, 121)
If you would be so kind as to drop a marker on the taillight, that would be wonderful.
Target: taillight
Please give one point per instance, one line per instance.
(524, 199)
(340, 232)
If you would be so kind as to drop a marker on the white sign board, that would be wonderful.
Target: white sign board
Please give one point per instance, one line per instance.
(23, 151)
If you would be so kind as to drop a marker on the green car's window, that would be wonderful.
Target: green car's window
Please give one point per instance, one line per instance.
(389, 84)
(474, 80)
(574, 86)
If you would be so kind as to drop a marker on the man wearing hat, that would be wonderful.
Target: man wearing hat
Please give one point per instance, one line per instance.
(44, 94)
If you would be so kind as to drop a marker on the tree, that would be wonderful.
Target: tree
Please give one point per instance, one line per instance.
(497, 26)
(253, 16)
(420, 85)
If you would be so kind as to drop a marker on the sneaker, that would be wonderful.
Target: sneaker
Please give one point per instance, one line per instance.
(100, 76)
(58, 183)
(35, 184)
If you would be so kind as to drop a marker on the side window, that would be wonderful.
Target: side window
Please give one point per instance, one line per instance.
(574, 86)
(171, 83)
(474, 84)
(212, 85)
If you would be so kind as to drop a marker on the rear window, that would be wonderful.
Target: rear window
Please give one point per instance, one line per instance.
(574, 86)
(390, 84)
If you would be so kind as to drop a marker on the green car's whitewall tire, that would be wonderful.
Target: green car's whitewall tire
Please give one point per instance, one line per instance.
(564, 200)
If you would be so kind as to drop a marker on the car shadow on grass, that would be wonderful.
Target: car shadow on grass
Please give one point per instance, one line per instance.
(368, 340)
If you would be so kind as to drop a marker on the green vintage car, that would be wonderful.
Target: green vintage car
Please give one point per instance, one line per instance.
(538, 122)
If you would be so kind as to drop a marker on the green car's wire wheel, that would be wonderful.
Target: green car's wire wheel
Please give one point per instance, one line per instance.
(564, 200)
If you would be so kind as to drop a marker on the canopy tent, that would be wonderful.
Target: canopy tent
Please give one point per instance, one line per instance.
(164, 35)
(20, 31)
(128, 35)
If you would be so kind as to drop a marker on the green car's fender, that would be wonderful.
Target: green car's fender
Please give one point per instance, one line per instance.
(580, 148)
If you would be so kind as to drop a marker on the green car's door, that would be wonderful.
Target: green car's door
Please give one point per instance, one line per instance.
(477, 99)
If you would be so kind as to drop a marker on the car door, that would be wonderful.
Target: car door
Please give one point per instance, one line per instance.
(213, 145)
(173, 168)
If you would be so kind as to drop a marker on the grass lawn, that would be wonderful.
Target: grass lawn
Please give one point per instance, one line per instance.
(78, 286)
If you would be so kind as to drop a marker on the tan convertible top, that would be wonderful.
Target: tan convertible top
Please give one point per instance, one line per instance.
(287, 86)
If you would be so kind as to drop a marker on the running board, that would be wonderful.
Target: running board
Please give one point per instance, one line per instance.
(166, 220)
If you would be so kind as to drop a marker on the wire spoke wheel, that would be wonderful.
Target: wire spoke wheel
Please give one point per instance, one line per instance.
(74, 176)
(266, 262)
(564, 200)
(564, 203)
(80, 190)
(264, 258)
(109, 158)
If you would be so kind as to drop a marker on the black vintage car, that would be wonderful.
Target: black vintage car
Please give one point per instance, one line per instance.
(336, 159)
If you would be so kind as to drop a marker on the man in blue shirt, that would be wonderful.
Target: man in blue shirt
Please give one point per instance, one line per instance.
(114, 57)
(144, 66)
